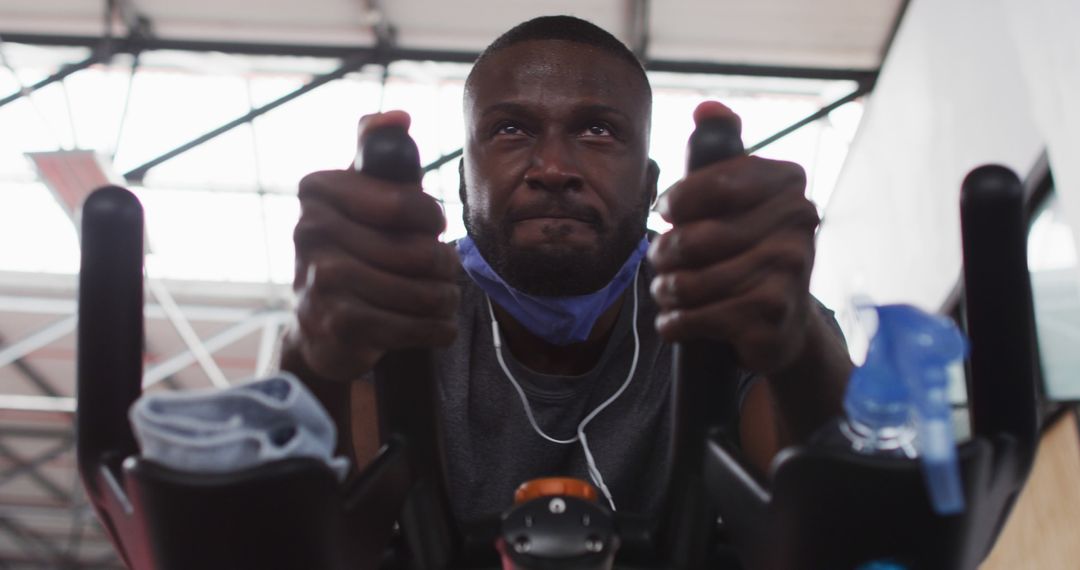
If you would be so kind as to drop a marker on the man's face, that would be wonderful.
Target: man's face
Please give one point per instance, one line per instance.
(557, 181)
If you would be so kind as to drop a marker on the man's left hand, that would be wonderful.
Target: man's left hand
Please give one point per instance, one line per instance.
(736, 265)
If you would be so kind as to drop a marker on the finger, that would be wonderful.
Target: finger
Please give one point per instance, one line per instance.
(699, 243)
(693, 288)
(407, 254)
(766, 306)
(346, 323)
(349, 278)
(730, 187)
(378, 203)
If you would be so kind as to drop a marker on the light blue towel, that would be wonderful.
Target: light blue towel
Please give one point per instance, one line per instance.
(220, 431)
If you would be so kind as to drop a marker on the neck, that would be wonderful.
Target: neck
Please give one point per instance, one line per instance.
(546, 358)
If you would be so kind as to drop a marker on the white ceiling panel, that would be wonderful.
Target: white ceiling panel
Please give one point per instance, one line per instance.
(846, 34)
(823, 33)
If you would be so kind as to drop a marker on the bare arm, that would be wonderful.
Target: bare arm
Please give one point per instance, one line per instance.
(351, 405)
(792, 403)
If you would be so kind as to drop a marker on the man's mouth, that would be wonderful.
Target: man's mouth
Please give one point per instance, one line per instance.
(582, 215)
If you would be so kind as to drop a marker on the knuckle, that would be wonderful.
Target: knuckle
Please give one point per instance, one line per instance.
(794, 175)
(444, 333)
(448, 261)
(693, 249)
(809, 213)
(430, 301)
(306, 235)
(313, 184)
(661, 251)
(340, 324)
(327, 271)
(771, 305)
(791, 257)
(452, 300)
(428, 252)
(674, 200)
(681, 287)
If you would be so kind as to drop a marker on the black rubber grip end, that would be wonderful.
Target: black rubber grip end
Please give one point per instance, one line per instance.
(390, 154)
(993, 182)
(712, 141)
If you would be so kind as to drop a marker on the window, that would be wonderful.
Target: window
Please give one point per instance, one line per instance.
(1055, 285)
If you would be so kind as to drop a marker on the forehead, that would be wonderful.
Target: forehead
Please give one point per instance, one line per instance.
(556, 72)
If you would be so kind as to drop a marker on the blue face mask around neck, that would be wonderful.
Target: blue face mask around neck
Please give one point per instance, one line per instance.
(558, 320)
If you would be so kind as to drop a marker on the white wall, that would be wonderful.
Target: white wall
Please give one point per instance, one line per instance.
(967, 82)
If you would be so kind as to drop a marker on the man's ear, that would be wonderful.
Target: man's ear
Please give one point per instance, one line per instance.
(461, 179)
(653, 177)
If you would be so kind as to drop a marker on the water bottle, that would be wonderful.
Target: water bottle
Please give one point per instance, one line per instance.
(897, 405)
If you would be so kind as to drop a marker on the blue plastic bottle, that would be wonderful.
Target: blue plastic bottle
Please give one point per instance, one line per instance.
(897, 403)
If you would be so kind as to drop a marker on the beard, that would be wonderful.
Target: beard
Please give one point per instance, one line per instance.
(550, 270)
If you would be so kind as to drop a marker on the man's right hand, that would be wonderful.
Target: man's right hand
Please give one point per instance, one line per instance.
(371, 273)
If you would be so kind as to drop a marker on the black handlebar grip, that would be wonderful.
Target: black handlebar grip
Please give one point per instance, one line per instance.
(110, 331)
(997, 292)
(713, 140)
(708, 365)
(703, 395)
(408, 401)
(390, 154)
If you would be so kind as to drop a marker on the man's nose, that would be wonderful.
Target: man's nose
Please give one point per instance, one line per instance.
(553, 165)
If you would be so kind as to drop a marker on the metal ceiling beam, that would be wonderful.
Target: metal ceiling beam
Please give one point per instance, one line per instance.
(16, 403)
(45, 336)
(187, 333)
(64, 72)
(863, 89)
(268, 341)
(352, 64)
(34, 432)
(53, 306)
(32, 375)
(32, 467)
(36, 378)
(44, 482)
(212, 345)
(819, 114)
(446, 56)
(9, 561)
(33, 544)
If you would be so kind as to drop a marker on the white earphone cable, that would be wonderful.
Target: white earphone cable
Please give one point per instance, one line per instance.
(594, 471)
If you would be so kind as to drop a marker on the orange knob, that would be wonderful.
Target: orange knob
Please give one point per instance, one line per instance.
(549, 486)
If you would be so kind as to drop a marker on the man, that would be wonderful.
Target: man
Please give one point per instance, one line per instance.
(551, 324)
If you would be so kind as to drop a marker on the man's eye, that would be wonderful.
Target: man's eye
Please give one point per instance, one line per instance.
(597, 130)
(509, 129)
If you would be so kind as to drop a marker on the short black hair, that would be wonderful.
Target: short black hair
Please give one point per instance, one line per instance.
(564, 28)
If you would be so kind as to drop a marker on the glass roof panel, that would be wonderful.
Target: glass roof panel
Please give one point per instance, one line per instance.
(224, 211)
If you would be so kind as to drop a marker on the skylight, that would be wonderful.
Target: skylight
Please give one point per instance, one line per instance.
(224, 211)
